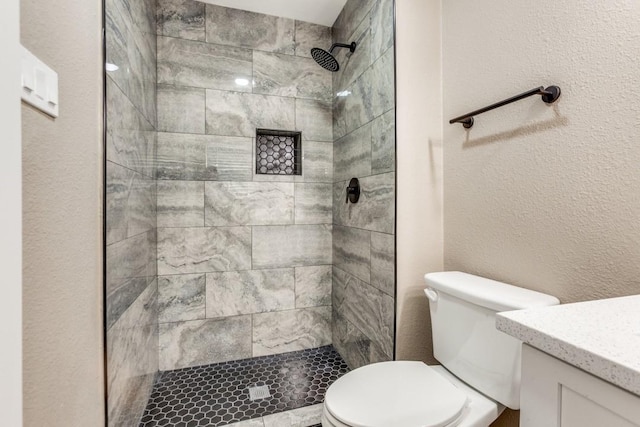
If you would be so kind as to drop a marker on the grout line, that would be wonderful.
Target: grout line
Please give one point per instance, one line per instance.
(206, 33)
(295, 287)
(206, 314)
(204, 203)
(251, 249)
(252, 337)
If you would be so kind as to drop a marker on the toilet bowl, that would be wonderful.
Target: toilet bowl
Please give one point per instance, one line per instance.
(406, 394)
(480, 372)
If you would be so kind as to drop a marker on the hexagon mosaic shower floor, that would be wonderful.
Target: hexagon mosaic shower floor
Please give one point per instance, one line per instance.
(218, 394)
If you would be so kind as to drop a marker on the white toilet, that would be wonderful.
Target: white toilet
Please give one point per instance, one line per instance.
(480, 372)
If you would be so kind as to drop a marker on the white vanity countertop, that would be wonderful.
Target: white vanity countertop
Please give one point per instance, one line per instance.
(601, 337)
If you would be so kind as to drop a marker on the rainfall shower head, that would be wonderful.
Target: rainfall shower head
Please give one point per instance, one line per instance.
(326, 59)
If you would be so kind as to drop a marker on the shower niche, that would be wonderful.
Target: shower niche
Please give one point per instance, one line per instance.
(278, 152)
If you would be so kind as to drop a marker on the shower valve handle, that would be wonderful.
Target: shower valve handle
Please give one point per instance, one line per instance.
(353, 191)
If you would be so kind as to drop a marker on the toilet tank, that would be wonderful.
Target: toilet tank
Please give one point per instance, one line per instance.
(465, 339)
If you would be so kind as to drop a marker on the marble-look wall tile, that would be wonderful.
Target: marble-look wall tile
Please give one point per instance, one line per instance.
(130, 268)
(350, 17)
(252, 30)
(383, 143)
(183, 157)
(313, 203)
(180, 204)
(240, 114)
(131, 29)
(248, 203)
(374, 211)
(313, 286)
(130, 258)
(202, 342)
(364, 147)
(181, 18)
(383, 84)
(352, 65)
(131, 45)
(371, 95)
(314, 119)
(140, 18)
(292, 330)
(246, 292)
(317, 162)
(131, 139)
(352, 344)
(118, 189)
(130, 203)
(203, 250)
(368, 309)
(354, 109)
(383, 262)
(203, 65)
(310, 35)
(301, 417)
(229, 158)
(204, 157)
(286, 75)
(132, 359)
(352, 251)
(181, 109)
(352, 155)
(120, 298)
(381, 27)
(181, 297)
(291, 246)
(377, 355)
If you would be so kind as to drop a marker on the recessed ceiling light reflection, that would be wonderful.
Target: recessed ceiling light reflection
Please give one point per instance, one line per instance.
(111, 67)
(242, 82)
(343, 93)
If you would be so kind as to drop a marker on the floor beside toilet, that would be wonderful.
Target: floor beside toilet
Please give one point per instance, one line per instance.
(219, 394)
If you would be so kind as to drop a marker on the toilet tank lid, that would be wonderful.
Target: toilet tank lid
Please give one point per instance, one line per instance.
(487, 293)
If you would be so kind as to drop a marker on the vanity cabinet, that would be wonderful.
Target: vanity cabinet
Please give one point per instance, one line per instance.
(556, 394)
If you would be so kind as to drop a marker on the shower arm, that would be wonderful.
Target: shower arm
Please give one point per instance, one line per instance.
(351, 47)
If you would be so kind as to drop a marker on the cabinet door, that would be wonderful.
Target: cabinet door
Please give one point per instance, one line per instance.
(579, 411)
(556, 394)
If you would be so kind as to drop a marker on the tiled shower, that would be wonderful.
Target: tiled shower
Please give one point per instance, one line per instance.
(211, 261)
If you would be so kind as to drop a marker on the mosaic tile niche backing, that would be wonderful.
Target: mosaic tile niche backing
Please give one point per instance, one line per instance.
(278, 152)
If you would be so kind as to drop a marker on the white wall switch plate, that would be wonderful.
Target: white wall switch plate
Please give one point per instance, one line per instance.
(39, 84)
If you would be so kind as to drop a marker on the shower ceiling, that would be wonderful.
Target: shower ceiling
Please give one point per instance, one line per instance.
(323, 12)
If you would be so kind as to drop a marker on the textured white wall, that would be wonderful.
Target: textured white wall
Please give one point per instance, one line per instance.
(62, 214)
(10, 218)
(546, 198)
(419, 154)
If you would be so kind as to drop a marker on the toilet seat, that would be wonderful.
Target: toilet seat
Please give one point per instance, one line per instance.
(399, 393)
